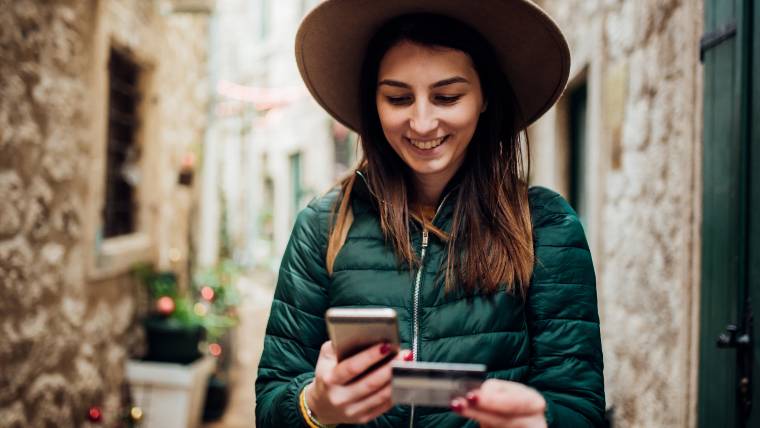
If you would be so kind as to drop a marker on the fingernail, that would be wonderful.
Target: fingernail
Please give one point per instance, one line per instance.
(409, 356)
(385, 348)
(472, 398)
(457, 406)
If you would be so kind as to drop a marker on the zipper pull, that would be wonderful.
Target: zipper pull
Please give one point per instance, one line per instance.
(424, 238)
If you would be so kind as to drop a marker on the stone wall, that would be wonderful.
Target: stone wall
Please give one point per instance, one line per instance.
(68, 328)
(641, 61)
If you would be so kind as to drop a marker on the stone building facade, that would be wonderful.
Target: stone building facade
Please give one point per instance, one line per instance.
(639, 165)
(69, 305)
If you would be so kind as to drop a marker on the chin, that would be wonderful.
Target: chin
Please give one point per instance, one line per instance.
(423, 169)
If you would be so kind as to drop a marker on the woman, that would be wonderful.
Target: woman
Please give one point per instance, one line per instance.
(437, 222)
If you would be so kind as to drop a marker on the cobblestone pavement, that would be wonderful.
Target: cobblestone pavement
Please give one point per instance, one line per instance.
(257, 290)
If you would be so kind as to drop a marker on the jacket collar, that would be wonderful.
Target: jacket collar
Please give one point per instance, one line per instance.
(362, 192)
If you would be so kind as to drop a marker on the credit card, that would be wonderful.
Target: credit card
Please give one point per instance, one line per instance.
(433, 384)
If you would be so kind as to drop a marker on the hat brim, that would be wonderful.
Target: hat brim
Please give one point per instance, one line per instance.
(331, 42)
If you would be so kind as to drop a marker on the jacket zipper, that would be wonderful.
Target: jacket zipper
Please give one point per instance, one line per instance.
(416, 301)
(417, 283)
(416, 313)
(415, 336)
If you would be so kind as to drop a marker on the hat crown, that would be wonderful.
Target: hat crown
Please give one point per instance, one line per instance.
(332, 40)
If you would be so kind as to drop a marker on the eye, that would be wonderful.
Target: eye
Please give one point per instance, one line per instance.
(399, 100)
(447, 99)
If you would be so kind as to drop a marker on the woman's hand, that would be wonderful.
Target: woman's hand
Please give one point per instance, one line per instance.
(336, 396)
(503, 404)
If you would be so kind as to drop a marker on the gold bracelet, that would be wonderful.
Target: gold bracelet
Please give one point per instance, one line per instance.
(308, 416)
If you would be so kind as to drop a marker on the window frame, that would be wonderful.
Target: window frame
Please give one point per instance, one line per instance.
(114, 256)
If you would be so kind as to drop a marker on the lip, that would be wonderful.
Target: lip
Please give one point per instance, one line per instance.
(428, 152)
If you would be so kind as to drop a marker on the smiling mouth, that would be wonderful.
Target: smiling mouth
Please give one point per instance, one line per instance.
(427, 144)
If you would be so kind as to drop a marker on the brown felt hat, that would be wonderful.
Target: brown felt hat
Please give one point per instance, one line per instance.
(333, 37)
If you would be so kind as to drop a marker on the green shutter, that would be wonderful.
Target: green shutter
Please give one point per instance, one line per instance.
(754, 206)
(725, 207)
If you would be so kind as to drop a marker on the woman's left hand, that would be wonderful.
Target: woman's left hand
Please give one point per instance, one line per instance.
(502, 404)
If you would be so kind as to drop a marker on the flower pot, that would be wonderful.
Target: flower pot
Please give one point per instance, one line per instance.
(172, 342)
(217, 397)
(171, 395)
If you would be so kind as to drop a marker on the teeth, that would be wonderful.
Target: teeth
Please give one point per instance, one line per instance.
(427, 145)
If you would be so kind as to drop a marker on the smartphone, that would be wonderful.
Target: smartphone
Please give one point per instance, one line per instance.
(352, 330)
(433, 384)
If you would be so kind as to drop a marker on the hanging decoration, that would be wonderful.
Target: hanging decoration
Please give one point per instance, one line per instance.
(94, 414)
(215, 349)
(207, 293)
(165, 305)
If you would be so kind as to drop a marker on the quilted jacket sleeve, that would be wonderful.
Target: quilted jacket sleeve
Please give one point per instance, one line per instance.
(296, 328)
(566, 352)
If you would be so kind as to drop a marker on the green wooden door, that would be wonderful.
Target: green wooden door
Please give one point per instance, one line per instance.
(731, 215)
(753, 229)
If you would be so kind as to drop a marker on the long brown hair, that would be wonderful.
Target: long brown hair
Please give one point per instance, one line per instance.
(490, 242)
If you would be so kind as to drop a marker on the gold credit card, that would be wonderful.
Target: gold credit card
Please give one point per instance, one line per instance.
(433, 384)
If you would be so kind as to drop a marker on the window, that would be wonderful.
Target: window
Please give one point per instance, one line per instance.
(122, 170)
(577, 194)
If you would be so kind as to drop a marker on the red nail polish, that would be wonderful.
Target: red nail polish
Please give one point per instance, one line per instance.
(385, 348)
(456, 406)
(472, 399)
(409, 356)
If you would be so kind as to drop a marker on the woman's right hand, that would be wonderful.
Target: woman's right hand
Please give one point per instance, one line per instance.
(336, 396)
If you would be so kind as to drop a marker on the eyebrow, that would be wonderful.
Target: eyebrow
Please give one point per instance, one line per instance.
(449, 81)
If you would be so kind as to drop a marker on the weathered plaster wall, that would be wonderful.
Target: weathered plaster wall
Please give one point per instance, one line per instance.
(649, 137)
(66, 334)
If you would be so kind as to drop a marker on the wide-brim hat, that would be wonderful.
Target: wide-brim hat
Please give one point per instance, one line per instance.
(332, 40)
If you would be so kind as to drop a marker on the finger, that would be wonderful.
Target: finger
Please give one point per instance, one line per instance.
(377, 411)
(371, 382)
(527, 422)
(403, 355)
(325, 362)
(487, 419)
(507, 398)
(350, 368)
(483, 417)
(367, 385)
(518, 422)
(367, 409)
(327, 353)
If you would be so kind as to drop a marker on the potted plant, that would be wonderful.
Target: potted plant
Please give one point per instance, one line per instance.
(173, 330)
(216, 286)
(183, 326)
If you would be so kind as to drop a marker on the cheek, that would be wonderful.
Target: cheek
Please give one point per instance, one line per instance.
(463, 118)
(391, 120)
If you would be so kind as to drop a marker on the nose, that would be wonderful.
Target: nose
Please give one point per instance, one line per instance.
(423, 121)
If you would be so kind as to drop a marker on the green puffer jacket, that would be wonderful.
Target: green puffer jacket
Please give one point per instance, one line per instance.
(550, 342)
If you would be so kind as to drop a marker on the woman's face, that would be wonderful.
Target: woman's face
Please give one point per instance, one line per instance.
(429, 101)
